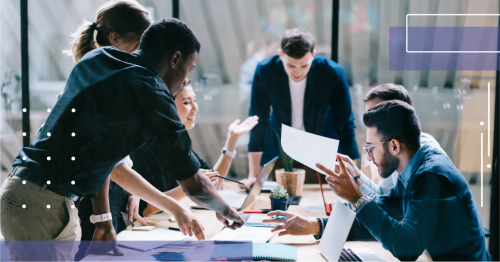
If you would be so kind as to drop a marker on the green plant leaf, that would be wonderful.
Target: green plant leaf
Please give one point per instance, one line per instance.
(287, 160)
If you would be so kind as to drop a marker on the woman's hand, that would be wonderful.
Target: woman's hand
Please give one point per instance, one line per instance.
(295, 225)
(133, 211)
(237, 129)
(211, 175)
(188, 223)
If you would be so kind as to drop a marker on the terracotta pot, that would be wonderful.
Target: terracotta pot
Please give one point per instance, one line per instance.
(293, 182)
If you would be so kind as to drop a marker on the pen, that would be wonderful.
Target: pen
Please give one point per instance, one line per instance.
(232, 180)
(263, 211)
(174, 228)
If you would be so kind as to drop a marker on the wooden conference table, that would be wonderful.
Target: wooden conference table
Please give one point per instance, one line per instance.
(307, 245)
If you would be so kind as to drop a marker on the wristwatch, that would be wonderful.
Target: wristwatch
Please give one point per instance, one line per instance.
(228, 153)
(100, 218)
(359, 201)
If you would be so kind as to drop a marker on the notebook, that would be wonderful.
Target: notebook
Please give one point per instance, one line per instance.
(260, 251)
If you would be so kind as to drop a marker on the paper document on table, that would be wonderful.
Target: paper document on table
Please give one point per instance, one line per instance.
(254, 234)
(308, 148)
(314, 208)
(147, 240)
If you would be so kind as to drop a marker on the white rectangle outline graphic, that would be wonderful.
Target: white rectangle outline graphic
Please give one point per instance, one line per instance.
(446, 52)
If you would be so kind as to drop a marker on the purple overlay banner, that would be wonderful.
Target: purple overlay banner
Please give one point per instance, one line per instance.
(127, 250)
(444, 48)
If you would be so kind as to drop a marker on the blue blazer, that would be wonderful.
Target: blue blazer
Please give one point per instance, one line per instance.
(327, 106)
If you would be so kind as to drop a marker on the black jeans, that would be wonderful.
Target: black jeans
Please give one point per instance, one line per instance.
(117, 203)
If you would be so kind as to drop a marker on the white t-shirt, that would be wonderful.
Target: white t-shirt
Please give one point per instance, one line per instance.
(297, 91)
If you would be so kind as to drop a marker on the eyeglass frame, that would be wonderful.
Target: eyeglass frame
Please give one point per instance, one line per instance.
(369, 149)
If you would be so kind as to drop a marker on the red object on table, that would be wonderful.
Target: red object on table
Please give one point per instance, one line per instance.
(328, 207)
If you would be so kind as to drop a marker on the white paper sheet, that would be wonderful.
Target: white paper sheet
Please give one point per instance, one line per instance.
(314, 208)
(254, 234)
(308, 148)
(152, 239)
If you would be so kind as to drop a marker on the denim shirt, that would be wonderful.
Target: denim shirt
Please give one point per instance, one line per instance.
(430, 208)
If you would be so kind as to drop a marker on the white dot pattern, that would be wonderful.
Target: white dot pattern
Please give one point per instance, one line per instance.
(73, 158)
(489, 166)
(24, 133)
(24, 110)
(48, 110)
(73, 110)
(72, 206)
(48, 182)
(48, 158)
(24, 182)
(482, 123)
(73, 182)
(49, 134)
(24, 206)
(73, 134)
(48, 206)
(24, 158)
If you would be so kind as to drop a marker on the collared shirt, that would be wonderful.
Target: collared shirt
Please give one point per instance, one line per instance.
(373, 190)
(431, 208)
(113, 103)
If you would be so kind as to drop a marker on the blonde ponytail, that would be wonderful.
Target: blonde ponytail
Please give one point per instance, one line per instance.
(83, 41)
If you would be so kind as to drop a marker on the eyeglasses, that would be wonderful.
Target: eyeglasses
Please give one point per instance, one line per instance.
(369, 149)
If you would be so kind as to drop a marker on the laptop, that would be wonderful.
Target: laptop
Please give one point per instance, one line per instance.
(241, 201)
(335, 234)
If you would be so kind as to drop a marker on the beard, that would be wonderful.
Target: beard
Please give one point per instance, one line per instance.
(388, 164)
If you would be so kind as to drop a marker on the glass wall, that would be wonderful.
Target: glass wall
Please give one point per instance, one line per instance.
(451, 105)
(235, 36)
(10, 77)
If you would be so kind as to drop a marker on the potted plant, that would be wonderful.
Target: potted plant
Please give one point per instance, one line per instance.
(291, 178)
(279, 198)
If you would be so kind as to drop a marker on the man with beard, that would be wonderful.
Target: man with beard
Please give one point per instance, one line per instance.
(431, 208)
(375, 96)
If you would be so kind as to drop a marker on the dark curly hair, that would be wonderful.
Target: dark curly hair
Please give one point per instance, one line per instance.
(169, 35)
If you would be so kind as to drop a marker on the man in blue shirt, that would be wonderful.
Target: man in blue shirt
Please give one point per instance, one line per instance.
(303, 90)
(373, 97)
(431, 208)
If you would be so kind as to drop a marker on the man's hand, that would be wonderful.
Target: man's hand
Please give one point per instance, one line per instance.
(295, 225)
(233, 216)
(104, 240)
(237, 129)
(342, 183)
(133, 211)
(351, 167)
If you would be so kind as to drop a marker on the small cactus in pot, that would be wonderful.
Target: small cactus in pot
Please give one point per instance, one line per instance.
(279, 198)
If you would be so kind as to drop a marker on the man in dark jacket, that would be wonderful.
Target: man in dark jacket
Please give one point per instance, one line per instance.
(305, 91)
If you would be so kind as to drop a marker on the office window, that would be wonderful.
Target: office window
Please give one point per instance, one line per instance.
(235, 36)
(10, 77)
(451, 105)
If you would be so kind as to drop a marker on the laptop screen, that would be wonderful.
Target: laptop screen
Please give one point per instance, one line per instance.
(257, 186)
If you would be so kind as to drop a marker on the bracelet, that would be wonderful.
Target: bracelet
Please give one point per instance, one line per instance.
(228, 153)
(321, 228)
(100, 218)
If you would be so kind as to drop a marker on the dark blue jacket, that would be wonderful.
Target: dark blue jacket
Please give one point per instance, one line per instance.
(327, 106)
(430, 208)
